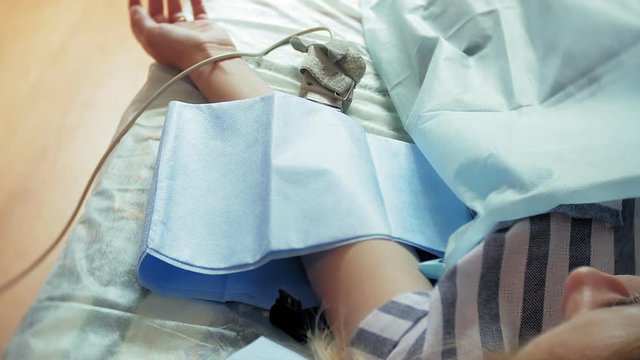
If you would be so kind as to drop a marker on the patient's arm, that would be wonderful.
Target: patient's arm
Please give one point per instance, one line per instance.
(355, 279)
(351, 280)
(172, 41)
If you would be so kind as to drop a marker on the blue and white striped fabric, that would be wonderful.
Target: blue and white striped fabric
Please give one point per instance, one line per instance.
(503, 293)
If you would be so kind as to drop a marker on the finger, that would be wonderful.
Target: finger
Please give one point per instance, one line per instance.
(175, 11)
(156, 10)
(199, 11)
(140, 20)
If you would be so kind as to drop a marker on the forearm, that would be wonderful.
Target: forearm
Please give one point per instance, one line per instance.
(173, 41)
(355, 279)
(229, 80)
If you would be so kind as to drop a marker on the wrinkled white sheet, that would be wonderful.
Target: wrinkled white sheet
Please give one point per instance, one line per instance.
(92, 306)
(519, 105)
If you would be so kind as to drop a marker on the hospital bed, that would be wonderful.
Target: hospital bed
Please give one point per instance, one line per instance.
(493, 109)
(92, 306)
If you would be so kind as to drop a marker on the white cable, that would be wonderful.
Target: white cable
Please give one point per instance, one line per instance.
(26, 271)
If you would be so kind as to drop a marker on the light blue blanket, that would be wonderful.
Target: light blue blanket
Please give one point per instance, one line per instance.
(519, 105)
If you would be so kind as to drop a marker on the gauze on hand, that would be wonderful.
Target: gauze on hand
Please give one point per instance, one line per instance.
(241, 188)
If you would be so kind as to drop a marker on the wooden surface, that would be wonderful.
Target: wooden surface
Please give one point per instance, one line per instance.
(68, 70)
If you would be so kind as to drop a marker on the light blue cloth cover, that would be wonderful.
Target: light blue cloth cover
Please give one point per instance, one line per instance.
(241, 188)
(519, 105)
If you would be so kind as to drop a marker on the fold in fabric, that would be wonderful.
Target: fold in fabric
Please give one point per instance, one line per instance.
(520, 106)
(242, 188)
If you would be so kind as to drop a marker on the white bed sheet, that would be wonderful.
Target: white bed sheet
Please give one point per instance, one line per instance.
(92, 306)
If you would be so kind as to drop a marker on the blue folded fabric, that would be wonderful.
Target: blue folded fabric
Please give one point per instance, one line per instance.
(516, 113)
(242, 188)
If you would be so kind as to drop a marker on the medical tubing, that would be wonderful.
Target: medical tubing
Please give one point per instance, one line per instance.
(26, 271)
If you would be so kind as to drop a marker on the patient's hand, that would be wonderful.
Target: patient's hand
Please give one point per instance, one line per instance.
(172, 40)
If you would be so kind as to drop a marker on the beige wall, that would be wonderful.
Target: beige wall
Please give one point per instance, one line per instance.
(67, 70)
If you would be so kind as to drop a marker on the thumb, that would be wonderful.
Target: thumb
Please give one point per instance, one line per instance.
(141, 21)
